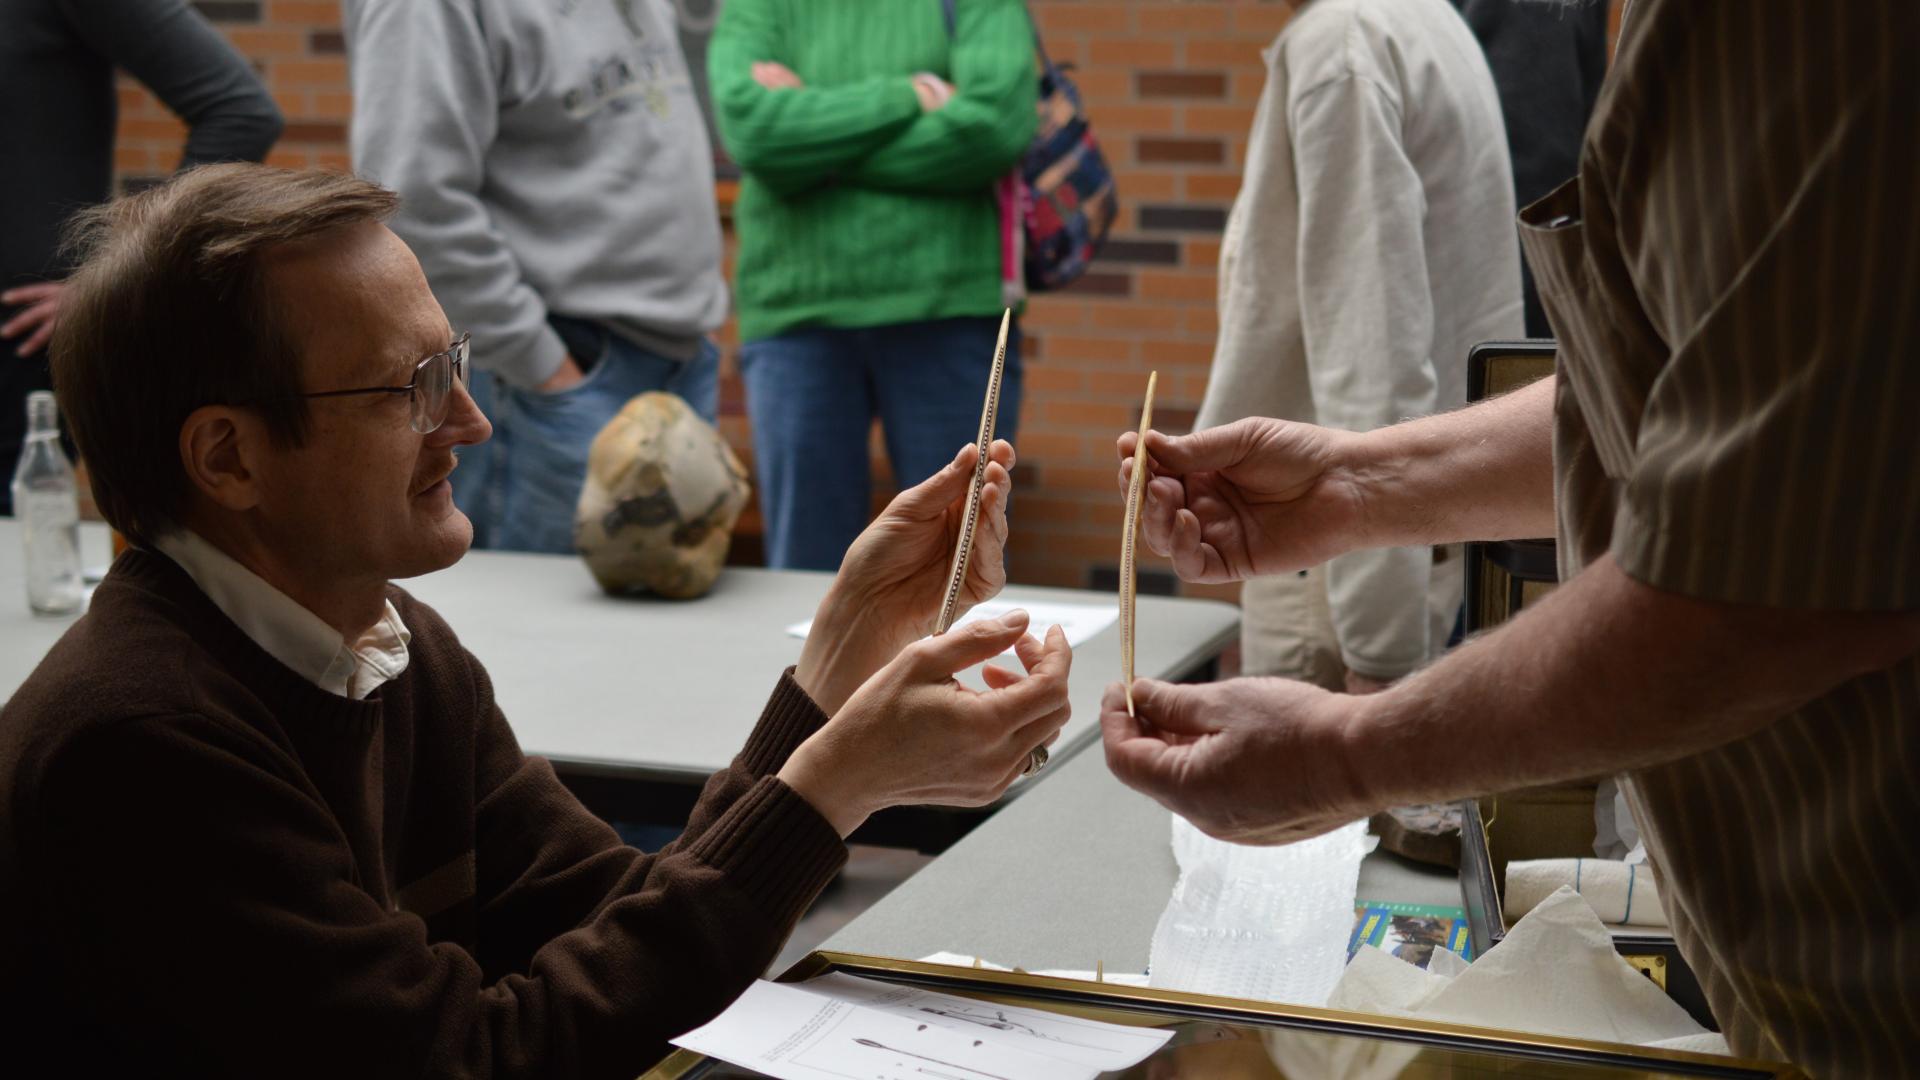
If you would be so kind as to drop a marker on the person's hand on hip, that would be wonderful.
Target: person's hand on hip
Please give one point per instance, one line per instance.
(892, 581)
(1253, 761)
(1247, 499)
(912, 735)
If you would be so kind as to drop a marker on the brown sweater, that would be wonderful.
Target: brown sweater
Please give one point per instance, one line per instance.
(208, 864)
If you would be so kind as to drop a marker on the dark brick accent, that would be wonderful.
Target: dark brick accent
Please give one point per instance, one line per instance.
(326, 43)
(1094, 283)
(1187, 218)
(1180, 84)
(1181, 151)
(1106, 578)
(315, 131)
(1146, 252)
(229, 11)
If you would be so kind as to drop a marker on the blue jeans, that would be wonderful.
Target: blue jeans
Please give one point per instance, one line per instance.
(521, 486)
(813, 394)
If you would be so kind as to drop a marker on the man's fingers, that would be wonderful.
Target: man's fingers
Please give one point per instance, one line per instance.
(1137, 757)
(966, 645)
(40, 337)
(1171, 707)
(29, 294)
(1206, 450)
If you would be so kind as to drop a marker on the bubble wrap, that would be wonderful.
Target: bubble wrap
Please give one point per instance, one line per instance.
(1265, 923)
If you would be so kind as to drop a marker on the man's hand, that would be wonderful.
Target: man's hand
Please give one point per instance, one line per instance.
(893, 579)
(1247, 499)
(932, 90)
(775, 76)
(1253, 761)
(567, 375)
(40, 311)
(913, 735)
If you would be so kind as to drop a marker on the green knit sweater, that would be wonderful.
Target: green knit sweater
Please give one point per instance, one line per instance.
(857, 209)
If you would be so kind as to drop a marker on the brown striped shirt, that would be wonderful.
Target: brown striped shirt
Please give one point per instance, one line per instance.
(1734, 278)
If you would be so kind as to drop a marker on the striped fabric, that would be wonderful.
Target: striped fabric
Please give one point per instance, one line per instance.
(1734, 278)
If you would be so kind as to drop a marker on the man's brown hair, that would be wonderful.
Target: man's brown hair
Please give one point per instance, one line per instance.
(170, 310)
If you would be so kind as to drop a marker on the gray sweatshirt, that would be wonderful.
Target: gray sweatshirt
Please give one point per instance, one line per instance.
(550, 156)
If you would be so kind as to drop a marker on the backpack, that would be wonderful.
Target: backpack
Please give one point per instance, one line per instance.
(1062, 193)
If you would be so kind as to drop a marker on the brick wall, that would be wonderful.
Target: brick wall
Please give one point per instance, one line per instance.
(1171, 88)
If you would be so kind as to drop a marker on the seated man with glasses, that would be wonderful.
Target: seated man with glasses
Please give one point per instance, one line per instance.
(262, 813)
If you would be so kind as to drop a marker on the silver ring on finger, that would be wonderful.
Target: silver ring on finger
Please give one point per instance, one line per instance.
(1036, 760)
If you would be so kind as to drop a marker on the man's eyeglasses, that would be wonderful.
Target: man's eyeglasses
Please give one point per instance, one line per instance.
(431, 389)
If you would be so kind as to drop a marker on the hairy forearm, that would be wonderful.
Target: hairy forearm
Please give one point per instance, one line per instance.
(1606, 674)
(1479, 473)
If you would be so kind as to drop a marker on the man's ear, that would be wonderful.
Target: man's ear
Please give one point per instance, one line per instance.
(221, 449)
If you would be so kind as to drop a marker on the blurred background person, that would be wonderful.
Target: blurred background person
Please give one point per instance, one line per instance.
(1547, 60)
(556, 179)
(57, 59)
(1371, 245)
(870, 266)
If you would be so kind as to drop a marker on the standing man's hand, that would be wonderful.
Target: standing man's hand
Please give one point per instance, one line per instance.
(1247, 499)
(40, 311)
(1253, 761)
(893, 579)
(566, 375)
(775, 76)
(912, 735)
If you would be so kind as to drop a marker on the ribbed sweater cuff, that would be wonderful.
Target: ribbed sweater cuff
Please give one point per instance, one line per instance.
(775, 848)
(788, 720)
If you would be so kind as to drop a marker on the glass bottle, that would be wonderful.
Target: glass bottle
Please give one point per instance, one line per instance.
(46, 501)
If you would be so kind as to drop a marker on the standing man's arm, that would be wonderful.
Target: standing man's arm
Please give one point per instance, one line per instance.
(187, 64)
(171, 49)
(426, 109)
(1366, 317)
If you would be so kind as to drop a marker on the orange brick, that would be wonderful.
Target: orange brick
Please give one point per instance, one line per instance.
(132, 99)
(1247, 87)
(1191, 19)
(1219, 119)
(1055, 313)
(1052, 379)
(1202, 55)
(1201, 254)
(1262, 21)
(266, 41)
(287, 157)
(1131, 53)
(162, 127)
(1064, 348)
(1167, 285)
(1213, 187)
(333, 160)
(1177, 354)
(1120, 383)
(133, 159)
(303, 13)
(293, 102)
(1048, 444)
(1140, 184)
(1104, 88)
(1138, 316)
(331, 105)
(1057, 20)
(1203, 321)
(1080, 414)
(327, 72)
(1135, 119)
(1054, 509)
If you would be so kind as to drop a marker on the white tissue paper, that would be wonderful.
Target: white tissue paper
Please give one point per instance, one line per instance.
(1263, 923)
(1555, 973)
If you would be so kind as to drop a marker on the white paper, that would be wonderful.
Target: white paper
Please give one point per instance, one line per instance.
(842, 1028)
(1263, 923)
(1080, 622)
(1111, 978)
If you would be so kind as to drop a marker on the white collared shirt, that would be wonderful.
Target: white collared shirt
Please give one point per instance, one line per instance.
(287, 631)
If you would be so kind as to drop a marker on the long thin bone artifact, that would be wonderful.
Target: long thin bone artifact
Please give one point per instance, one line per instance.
(963, 551)
(1129, 578)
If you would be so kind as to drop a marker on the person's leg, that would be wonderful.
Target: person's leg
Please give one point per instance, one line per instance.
(545, 465)
(931, 379)
(811, 409)
(1286, 629)
(697, 382)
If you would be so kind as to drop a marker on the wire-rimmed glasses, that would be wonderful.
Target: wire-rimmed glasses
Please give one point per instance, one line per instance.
(431, 390)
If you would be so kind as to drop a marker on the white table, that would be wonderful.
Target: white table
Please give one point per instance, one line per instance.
(638, 700)
(1074, 873)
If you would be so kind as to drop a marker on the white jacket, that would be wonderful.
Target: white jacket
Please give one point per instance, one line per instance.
(1373, 242)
